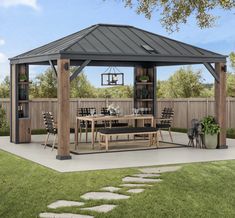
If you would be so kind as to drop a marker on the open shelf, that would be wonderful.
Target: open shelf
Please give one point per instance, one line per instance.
(143, 83)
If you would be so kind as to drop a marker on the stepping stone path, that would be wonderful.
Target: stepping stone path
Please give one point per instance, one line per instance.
(103, 196)
(110, 189)
(160, 169)
(135, 185)
(63, 215)
(146, 175)
(136, 190)
(62, 203)
(104, 208)
(134, 182)
(139, 179)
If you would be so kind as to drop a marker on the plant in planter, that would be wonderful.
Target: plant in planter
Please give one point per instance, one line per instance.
(144, 78)
(210, 129)
(23, 78)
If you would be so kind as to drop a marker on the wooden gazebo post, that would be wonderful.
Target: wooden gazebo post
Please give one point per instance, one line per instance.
(220, 102)
(63, 117)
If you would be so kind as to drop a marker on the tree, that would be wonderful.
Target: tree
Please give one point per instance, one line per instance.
(184, 83)
(231, 84)
(80, 87)
(232, 59)
(45, 85)
(115, 92)
(5, 88)
(176, 12)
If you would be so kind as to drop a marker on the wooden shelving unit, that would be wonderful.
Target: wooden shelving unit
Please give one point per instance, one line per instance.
(144, 92)
(20, 116)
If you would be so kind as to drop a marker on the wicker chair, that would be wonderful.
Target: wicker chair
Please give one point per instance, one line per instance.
(50, 126)
(165, 121)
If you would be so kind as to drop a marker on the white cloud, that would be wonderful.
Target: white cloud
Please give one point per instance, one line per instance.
(3, 58)
(2, 42)
(30, 3)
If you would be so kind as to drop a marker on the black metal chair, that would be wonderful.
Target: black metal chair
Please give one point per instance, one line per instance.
(195, 133)
(84, 125)
(165, 121)
(50, 126)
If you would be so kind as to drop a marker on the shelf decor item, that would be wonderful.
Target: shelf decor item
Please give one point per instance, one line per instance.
(23, 78)
(144, 78)
(113, 111)
(112, 77)
(211, 130)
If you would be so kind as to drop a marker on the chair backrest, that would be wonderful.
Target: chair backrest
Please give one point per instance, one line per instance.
(49, 122)
(168, 114)
(85, 111)
(105, 111)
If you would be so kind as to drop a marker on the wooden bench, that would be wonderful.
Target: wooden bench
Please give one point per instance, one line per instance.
(105, 134)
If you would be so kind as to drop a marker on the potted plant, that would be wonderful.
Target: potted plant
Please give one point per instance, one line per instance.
(210, 129)
(23, 78)
(144, 78)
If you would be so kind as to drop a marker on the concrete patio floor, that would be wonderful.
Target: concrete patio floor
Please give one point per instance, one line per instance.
(35, 152)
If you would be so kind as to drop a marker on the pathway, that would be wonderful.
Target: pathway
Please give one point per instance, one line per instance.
(137, 183)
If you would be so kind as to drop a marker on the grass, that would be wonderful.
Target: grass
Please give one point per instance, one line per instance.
(197, 190)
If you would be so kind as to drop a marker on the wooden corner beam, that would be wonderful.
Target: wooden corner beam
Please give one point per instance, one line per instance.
(79, 70)
(211, 69)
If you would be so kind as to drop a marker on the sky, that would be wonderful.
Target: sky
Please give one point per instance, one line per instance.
(27, 24)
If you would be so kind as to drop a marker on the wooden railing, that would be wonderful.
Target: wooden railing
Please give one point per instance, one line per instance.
(185, 109)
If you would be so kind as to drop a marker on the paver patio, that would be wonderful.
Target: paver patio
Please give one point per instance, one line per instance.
(46, 157)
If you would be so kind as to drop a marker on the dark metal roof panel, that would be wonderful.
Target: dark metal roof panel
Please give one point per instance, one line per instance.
(119, 41)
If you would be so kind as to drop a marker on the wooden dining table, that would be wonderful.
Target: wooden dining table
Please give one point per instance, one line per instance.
(99, 118)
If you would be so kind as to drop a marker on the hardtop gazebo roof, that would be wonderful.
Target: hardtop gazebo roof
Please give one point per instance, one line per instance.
(103, 43)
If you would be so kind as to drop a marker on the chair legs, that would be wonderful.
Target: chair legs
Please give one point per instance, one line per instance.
(53, 146)
(46, 141)
(169, 130)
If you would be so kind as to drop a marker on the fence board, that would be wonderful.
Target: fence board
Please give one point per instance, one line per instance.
(185, 109)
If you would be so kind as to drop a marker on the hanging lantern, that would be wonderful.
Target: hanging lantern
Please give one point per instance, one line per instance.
(112, 77)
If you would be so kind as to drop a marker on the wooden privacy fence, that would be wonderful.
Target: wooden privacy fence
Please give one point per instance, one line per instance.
(185, 109)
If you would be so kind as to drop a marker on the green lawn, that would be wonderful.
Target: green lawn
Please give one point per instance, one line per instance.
(197, 190)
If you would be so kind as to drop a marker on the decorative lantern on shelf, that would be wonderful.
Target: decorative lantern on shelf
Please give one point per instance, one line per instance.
(112, 77)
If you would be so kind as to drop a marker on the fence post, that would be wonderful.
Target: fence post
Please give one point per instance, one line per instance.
(188, 113)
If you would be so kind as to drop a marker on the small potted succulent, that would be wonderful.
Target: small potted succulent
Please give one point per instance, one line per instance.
(144, 78)
(23, 78)
(211, 130)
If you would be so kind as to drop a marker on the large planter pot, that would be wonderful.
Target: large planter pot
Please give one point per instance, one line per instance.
(211, 141)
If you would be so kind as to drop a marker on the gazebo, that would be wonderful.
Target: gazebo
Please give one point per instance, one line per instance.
(107, 45)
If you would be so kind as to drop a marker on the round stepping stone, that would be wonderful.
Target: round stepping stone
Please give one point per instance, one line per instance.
(104, 208)
(139, 179)
(135, 185)
(63, 203)
(110, 189)
(63, 215)
(136, 190)
(146, 175)
(103, 196)
(160, 169)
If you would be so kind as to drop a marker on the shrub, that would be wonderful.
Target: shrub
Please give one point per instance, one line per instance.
(4, 126)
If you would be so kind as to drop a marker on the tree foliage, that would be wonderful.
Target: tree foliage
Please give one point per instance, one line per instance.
(115, 92)
(176, 12)
(184, 83)
(5, 88)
